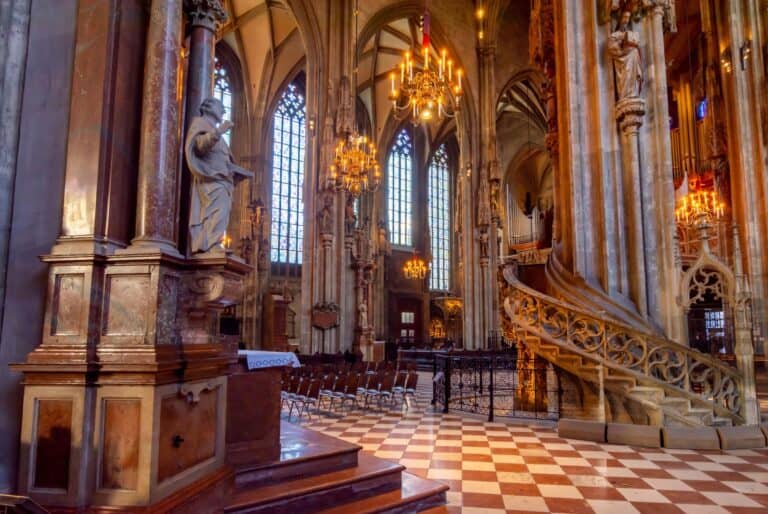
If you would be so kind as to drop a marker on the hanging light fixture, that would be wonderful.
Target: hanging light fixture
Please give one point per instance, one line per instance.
(424, 93)
(699, 208)
(415, 268)
(355, 168)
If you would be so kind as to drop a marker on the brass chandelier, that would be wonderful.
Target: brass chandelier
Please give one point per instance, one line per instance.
(699, 208)
(415, 268)
(355, 168)
(426, 93)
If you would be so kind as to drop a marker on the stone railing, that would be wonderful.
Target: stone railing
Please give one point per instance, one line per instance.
(650, 359)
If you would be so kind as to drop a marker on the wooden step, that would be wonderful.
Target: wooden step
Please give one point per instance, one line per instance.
(370, 477)
(416, 495)
(304, 453)
(442, 509)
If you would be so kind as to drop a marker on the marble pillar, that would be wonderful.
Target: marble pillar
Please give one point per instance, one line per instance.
(131, 355)
(156, 209)
(205, 16)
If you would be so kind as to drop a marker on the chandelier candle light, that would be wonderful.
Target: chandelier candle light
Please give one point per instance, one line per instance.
(415, 268)
(355, 168)
(426, 92)
(700, 208)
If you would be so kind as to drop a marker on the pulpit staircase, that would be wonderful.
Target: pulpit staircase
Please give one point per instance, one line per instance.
(673, 385)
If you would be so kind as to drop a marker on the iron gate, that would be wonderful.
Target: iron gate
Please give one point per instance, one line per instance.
(495, 384)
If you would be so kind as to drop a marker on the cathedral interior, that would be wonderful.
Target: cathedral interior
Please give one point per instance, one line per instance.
(357, 256)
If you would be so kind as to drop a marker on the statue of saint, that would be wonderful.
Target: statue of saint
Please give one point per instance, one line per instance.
(623, 47)
(362, 312)
(325, 217)
(483, 201)
(350, 219)
(213, 176)
(383, 240)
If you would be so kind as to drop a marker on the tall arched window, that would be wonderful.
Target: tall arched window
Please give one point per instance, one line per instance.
(223, 91)
(400, 191)
(288, 140)
(438, 190)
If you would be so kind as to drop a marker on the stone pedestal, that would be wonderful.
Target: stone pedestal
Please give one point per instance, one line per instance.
(125, 399)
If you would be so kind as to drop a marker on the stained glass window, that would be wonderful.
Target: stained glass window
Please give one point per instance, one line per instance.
(439, 220)
(289, 138)
(400, 191)
(223, 91)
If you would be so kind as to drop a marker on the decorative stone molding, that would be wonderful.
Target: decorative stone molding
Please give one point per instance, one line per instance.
(205, 13)
(638, 9)
(192, 390)
(629, 114)
(325, 315)
(206, 291)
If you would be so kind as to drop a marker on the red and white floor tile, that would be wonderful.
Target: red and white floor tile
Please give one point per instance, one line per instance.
(498, 468)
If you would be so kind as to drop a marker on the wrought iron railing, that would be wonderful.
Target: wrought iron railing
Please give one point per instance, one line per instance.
(648, 358)
(495, 384)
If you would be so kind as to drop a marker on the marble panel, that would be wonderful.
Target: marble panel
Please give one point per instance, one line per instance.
(121, 440)
(53, 439)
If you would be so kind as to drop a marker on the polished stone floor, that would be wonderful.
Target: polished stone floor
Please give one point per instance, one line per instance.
(496, 468)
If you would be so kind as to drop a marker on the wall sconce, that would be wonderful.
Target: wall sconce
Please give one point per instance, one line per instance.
(311, 124)
(744, 52)
(725, 60)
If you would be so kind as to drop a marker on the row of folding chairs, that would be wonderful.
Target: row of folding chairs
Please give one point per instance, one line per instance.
(357, 367)
(301, 392)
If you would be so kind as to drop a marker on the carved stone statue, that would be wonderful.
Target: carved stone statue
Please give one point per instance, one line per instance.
(213, 176)
(483, 201)
(623, 47)
(459, 205)
(362, 316)
(350, 218)
(325, 216)
(383, 240)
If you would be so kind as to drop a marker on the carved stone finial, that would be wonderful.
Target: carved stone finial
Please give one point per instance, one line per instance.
(345, 111)
(205, 13)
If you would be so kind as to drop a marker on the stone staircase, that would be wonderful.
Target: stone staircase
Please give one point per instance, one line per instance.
(672, 384)
(321, 474)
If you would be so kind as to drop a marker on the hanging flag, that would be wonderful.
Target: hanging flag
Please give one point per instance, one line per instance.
(425, 30)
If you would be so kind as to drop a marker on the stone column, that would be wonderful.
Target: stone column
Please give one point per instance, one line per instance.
(205, 16)
(488, 191)
(629, 114)
(156, 206)
(14, 23)
(747, 154)
(744, 350)
(662, 273)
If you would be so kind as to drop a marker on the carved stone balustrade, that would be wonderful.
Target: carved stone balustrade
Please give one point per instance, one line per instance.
(643, 358)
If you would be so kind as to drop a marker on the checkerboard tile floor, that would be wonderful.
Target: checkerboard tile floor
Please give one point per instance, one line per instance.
(498, 468)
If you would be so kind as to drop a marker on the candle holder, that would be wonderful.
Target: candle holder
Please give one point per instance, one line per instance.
(423, 92)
